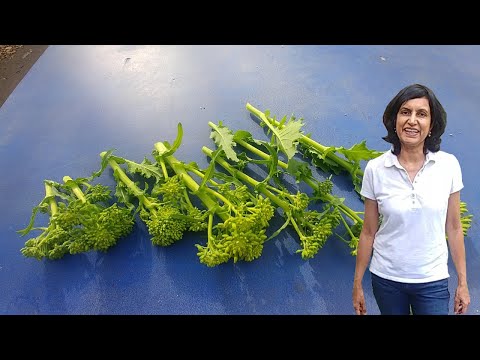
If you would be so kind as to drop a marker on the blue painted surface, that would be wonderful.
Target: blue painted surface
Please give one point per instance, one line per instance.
(77, 101)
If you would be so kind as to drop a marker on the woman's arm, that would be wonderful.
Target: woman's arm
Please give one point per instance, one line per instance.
(456, 244)
(364, 253)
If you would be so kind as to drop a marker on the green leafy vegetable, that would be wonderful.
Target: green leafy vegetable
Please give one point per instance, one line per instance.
(167, 210)
(312, 227)
(82, 220)
(322, 156)
(301, 172)
(245, 216)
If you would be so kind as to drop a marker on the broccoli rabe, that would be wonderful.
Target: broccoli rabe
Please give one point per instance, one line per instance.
(242, 235)
(80, 221)
(166, 210)
(301, 172)
(328, 158)
(312, 227)
(96, 224)
(245, 216)
(51, 242)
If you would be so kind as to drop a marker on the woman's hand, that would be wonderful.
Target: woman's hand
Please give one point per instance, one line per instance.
(462, 299)
(359, 300)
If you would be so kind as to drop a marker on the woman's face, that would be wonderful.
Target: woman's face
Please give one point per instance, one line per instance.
(413, 122)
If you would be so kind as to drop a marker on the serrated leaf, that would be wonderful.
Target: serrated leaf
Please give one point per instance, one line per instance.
(242, 135)
(145, 168)
(103, 165)
(299, 170)
(287, 137)
(223, 137)
(359, 152)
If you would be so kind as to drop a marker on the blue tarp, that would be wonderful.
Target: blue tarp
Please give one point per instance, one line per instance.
(77, 101)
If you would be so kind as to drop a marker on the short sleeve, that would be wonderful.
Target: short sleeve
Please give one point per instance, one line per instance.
(457, 182)
(367, 183)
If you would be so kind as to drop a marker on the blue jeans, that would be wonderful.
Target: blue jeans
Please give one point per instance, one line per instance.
(396, 298)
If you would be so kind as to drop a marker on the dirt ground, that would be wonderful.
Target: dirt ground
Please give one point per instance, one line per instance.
(15, 62)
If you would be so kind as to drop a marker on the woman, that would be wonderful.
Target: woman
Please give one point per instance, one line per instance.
(412, 203)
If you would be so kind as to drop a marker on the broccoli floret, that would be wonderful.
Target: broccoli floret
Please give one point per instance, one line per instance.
(241, 234)
(50, 243)
(166, 211)
(98, 226)
(81, 222)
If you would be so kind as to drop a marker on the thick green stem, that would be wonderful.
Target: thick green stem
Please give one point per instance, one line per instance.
(210, 229)
(76, 189)
(347, 227)
(325, 197)
(129, 183)
(177, 166)
(187, 198)
(297, 229)
(221, 198)
(306, 141)
(53, 209)
(200, 174)
(164, 168)
(51, 202)
(242, 176)
(213, 192)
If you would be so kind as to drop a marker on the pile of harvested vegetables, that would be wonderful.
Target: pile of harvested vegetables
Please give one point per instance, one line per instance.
(233, 210)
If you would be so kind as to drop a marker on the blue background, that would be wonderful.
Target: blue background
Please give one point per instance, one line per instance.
(77, 101)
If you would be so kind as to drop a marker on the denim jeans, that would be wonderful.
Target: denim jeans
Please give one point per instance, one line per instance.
(397, 298)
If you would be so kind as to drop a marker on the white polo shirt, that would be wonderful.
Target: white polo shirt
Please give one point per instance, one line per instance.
(410, 245)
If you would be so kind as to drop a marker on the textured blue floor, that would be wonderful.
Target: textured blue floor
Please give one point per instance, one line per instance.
(77, 101)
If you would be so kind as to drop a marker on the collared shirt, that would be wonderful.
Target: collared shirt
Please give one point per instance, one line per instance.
(410, 245)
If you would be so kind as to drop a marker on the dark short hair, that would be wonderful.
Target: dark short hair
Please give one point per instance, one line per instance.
(438, 117)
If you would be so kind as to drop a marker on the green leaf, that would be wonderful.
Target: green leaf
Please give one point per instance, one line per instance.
(104, 164)
(209, 171)
(145, 168)
(42, 207)
(272, 163)
(223, 137)
(359, 152)
(242, 135)
(288, 136)
(170, 149)
(299, 170)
